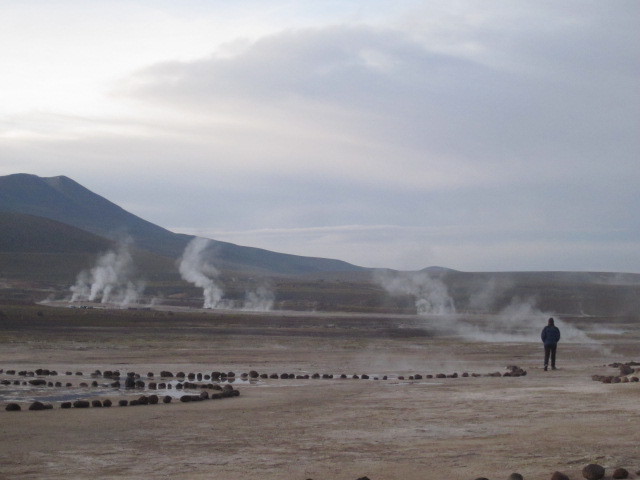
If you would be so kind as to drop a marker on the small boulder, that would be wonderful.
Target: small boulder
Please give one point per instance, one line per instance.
(13, 407)
(515, 476)
(81, 404)
(620, 473)
(559, 476)
(593, 471)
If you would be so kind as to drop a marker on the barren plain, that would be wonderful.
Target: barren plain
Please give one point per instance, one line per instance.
(406, 427)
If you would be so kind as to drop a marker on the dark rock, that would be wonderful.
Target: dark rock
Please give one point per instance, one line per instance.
(143, 400)
(166, 374)
(107, 403)
(482, 478)
(166, 399)
(153, 385)
(626, 370)
(13, 407)
(559, 476)
(515, 476)
(36, 406)
(150, 374)
(37, 382)
(253, 374)
(593, 471)
(123, 403)
(441, 375)
(65, 405)
(83, 385)
(129, 382)
(191, 376)
(139, 384)
(94, 384)
(153, 399)
(81, 404)
(620, 473)
(96, 403)
(180, 375)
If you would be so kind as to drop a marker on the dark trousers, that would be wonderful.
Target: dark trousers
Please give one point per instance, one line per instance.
(550, 351)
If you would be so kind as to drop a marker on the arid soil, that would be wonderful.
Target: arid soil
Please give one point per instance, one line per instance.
(428, 428)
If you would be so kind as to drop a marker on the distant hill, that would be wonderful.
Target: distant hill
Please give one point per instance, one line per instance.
(64, 200)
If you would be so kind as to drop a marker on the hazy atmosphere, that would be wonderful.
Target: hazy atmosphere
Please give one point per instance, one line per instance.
(494, 135)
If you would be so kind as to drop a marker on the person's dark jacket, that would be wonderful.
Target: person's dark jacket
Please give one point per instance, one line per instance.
(550, 335)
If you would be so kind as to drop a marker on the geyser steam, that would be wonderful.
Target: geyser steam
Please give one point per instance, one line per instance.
(431, 294)
(194, 268)
(109, 280)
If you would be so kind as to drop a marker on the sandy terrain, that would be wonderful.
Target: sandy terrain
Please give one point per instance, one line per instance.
(451, 428)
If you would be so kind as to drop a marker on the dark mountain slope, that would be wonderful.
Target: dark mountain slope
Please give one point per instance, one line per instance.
(64, 200)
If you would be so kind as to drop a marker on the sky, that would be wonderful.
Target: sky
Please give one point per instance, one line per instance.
(493, 135)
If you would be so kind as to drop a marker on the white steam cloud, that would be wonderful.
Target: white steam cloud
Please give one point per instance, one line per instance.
(109, 280)
(259, 300)
(194, 268)
(431, 294)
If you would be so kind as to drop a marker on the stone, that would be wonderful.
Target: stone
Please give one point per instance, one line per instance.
(81, 404)
(107, 403)
(559, 476)
(620, 473)
(166, 399)
(123, 403)
(253, 374)
(36, 406)
(13, 407)
(593, 471)
(515, 476)
(153, 399)
(96, 403)
(626, 370)
(65, 405)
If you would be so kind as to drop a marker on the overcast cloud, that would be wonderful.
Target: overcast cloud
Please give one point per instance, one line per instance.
(493, 135)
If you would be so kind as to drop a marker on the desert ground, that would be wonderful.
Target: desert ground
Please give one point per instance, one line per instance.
(340, 428)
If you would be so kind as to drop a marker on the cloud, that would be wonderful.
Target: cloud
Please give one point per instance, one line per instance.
(497, 135)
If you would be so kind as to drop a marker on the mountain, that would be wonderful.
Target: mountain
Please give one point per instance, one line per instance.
(66, 201)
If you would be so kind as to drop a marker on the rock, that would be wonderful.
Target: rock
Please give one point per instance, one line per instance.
(482, 478)
(123, 403)
(253, 374)
(620, 473)
(143, 400)
(559, 476)
(515, 476)
(593, 472)
(13, 407)
(81, 404)
(129, 382)
(626, 370)
(166, 374)
(153, 399)
(65, 405)
(37, 406)
(166, 399)
(106, 403)
(96, 403)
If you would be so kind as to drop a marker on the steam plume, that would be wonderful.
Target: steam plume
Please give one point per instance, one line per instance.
(194, 268)
(431, 294)
(109, 280)
(259, 300)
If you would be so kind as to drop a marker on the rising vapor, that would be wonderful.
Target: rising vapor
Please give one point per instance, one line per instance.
(194, 268)
(109, 281)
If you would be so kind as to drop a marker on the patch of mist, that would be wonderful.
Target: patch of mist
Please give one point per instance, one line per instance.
(195, 268)
(261, 299)
(431, 294)
(109, 280)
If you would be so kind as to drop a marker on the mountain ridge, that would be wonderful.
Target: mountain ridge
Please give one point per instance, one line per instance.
(64, 200)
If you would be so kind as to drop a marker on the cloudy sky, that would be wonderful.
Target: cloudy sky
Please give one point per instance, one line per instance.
(477, 135)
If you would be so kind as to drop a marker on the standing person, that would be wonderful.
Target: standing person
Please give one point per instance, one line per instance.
(550, 337)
